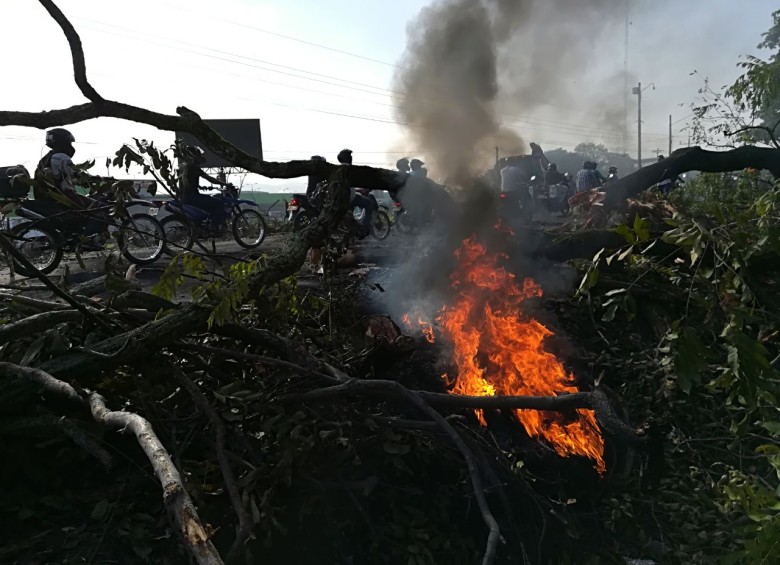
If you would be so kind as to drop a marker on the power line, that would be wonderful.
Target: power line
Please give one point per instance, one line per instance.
(566, 126)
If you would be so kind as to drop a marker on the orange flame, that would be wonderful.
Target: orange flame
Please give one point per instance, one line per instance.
(427, 330)
(406, 321)
(498, 351)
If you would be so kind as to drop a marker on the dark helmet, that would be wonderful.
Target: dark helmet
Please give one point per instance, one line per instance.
(613, 169)
(317, 158)
(194, 151)
(345, 156)
(402, 164)
(59, 138)
(552, 167)
(661, 157)
(416, 164)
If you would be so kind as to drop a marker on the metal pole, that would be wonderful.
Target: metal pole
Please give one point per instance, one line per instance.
(670, 134)
(625, 86)
(639, 127)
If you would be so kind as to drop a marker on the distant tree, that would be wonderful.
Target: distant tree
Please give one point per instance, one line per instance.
(595, 152)
(748, 111)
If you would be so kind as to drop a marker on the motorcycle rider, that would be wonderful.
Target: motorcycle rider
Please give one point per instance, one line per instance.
(190, 173)
(612, 174)
(61, 198)
(367, 203)
(553, 176)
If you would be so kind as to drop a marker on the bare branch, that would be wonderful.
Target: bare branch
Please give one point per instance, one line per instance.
(76, 50)
(175, 497)
(36, 323)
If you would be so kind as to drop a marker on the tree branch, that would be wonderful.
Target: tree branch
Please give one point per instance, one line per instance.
(76, 50)
(177, 501)
(36, 323)
(692, 159)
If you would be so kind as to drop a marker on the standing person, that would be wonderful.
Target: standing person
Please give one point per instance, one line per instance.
(612, 174)
(190, 173)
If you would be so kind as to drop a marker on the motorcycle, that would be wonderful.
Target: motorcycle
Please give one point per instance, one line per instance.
(307, 209)
(42, 238)
(187, 223)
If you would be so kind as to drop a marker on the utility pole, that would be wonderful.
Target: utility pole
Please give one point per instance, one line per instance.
(670, 134)
(639, 126)
(625, 84)
(638, 91)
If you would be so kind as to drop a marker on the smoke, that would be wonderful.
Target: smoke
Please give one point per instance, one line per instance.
(473, 68)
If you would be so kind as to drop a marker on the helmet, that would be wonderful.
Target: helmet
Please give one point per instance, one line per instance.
(402, 164)
(58, 138)
(661, 157)
(345, 156)
(416, 164)
(194, 151)
(317, 158)
(613, 169)
(552, 167)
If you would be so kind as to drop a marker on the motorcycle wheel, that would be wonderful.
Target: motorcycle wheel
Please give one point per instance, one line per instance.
(179, 235)
(249, 228)
(39, 247)
(141, 239)
(380, 227)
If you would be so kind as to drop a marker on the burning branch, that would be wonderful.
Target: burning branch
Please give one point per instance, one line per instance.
(175, 497)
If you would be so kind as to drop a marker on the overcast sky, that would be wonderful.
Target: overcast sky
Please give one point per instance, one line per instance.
(317, 73)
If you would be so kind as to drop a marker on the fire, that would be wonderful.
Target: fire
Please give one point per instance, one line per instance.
(498, 351)
(427, 330)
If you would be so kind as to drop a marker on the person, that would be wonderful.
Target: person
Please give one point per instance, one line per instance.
(612, 174)
(514, 186)
(61, 198)
(553, 176)
(418, 170)
(190, 173)
(402, 165)
(588, 177)
(368, 204)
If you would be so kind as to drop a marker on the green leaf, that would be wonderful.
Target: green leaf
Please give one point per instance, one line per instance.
(589, 280)
(690, 360)
(627, 233)
(641, 228)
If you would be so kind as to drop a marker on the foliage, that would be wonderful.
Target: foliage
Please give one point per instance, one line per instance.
(713, 275)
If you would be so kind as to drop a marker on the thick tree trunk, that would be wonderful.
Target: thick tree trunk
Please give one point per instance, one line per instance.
(692, 159)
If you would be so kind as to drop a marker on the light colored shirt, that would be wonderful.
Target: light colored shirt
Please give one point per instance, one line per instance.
(62, 170)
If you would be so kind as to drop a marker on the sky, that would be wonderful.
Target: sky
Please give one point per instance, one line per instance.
(318, 73)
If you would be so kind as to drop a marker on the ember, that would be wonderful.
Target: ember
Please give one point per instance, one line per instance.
(487, 320)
